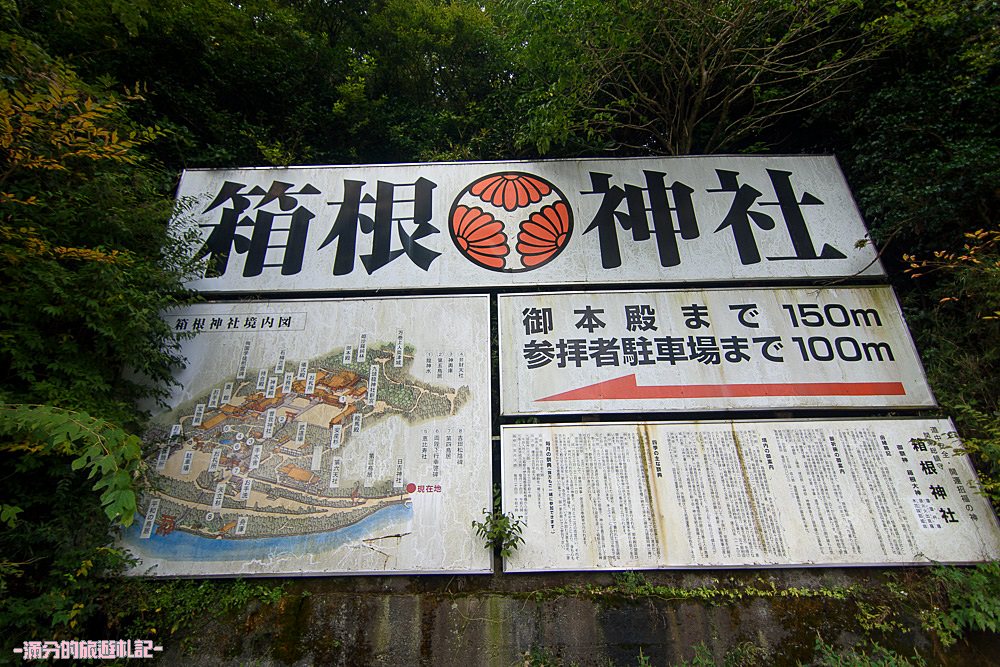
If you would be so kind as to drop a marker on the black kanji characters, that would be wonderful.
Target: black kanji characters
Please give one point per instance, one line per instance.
(604, 351)
(224, 238)
(589, 319)
(639, 218)
(938, 491)
(704, 349)
(379, 225)
(536, 320)
(742, 220)
(948, 515)
(640, 318)
(637, 351)
(278, 226)
(571, 351)
(670, 349)
(538, 353)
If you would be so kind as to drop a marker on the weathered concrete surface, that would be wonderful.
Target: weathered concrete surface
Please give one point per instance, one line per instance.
(506, 620)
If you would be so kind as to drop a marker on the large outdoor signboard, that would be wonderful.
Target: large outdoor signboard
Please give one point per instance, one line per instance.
(495, 224)
(601, 352)
(322, 436)
(743, 493)
(354, 435)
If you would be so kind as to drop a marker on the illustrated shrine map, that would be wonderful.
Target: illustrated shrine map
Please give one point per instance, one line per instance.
(339, 436)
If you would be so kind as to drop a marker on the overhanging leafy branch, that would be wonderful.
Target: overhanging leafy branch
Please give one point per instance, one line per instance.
(108, 453)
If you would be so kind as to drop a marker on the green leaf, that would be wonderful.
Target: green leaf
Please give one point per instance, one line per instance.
(109, 454)
(8, 514)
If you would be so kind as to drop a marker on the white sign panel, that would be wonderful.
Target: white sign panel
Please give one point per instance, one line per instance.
(743, 493)
(706, 350)
(289, 479)
(488, 224)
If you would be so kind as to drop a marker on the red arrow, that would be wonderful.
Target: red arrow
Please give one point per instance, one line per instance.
(626, 387)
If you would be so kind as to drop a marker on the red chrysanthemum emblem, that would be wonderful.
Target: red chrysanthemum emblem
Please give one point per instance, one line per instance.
(543, 234)
(481, 223)
(479, 236)
(511, 191)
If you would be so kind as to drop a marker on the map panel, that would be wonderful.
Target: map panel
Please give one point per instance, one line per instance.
(743, 494)
(322, 437)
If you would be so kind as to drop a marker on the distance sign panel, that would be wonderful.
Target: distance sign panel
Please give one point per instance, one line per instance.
(489, 224)
(743, 493)
(587, 352)
(327, 436)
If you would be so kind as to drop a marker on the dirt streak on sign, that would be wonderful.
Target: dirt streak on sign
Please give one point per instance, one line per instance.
(743, 493)
(555, 222)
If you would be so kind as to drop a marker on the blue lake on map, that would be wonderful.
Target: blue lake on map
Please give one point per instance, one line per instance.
(179, 545)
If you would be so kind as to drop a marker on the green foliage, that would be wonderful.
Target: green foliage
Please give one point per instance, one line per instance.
(106, 452)
(143, 608)
(743, 654)
(498, 530)
(964, 288)
(972, 601)
(921, 147)
(633, 585)
(273, 82)
(87, 267)
(982, 442)
(694, 77)
(947, 601)
(541, 657)
(877, 616)
(944, 214)
(55, 561)
(702, 657)
(862, 655)
(748, 654)
(8, 514)
(429, 70)
(927, 158)
(909, 19)
(84, 255)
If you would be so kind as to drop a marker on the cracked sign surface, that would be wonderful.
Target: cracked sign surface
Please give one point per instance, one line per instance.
(321, 437)
(743, 493)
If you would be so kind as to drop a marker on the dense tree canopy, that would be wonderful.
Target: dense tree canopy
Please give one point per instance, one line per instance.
(686, 77)
(86, 266)
(279, 82)
(102, 102)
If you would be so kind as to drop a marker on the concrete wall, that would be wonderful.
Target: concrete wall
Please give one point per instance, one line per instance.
(564, 619)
